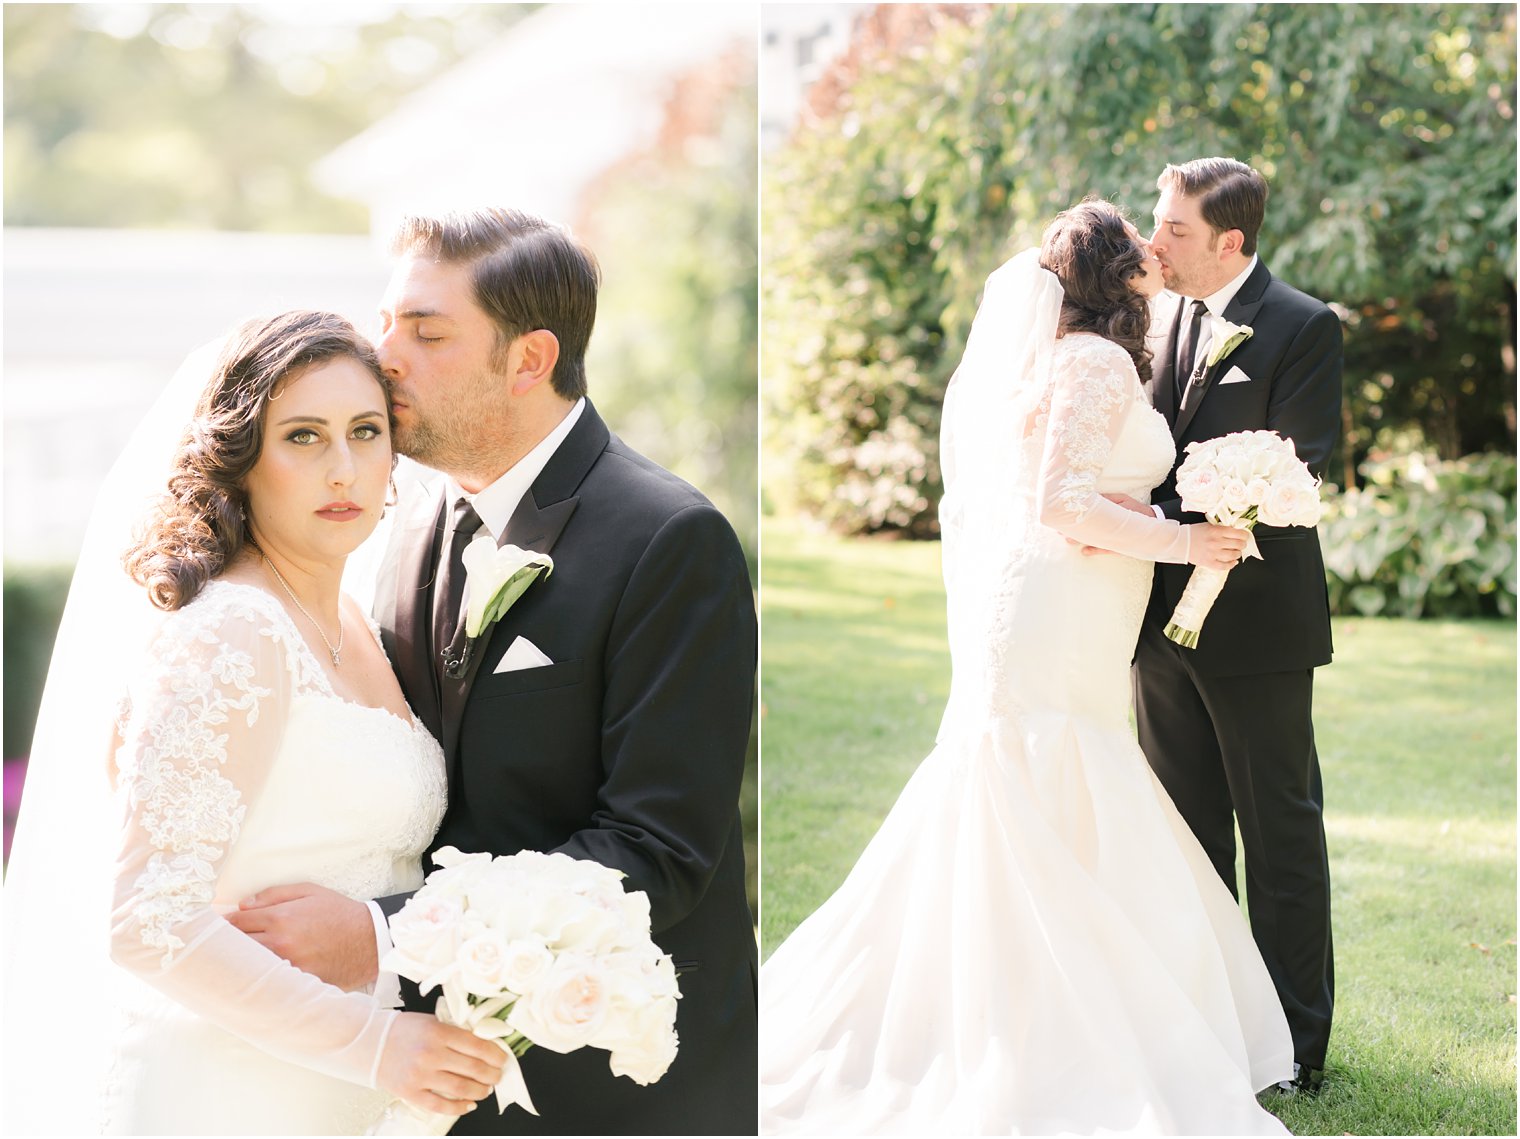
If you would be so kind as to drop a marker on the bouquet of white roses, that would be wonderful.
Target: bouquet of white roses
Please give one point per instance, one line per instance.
(541, 949)
(1238, 480)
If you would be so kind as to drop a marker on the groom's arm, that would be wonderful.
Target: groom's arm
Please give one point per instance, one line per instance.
(324, 933)
(1305, 400)
(676, 712)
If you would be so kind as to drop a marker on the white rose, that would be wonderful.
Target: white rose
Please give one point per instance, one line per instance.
(1233, 497)
(1290, 503)
(1256, 491)
(525, 961)
(423, 936)
(481, 965)
(567, 1008)
(1232, 460)
(1200, 490)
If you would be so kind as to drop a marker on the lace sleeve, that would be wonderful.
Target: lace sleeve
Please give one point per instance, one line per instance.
(207, 719)
(1092, 393)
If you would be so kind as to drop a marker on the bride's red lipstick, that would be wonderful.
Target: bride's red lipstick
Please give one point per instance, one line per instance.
(340, 511)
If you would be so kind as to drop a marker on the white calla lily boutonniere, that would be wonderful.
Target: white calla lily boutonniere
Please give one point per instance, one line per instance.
(495, 577)
(1226, 337)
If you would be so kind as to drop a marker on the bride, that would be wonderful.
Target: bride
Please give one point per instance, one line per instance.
(259, 737)
(1033, 942)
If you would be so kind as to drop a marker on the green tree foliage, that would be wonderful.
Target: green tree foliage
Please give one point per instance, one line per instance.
(672, 363)
(1386, 131)
(207, 116)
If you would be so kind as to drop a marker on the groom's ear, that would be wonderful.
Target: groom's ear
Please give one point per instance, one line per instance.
(531, 359)
(1230, 242)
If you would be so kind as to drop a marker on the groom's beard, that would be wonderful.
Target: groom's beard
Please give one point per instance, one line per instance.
(461, 434)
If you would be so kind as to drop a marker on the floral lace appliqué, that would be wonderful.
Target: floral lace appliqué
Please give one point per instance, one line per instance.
(1098, 385)
(189, 810)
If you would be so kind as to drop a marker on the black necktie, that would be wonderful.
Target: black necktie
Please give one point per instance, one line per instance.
(451, 578)
(1187, 350)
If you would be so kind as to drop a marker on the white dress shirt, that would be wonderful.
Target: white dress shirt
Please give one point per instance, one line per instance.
(1216, 302)
(495, 504)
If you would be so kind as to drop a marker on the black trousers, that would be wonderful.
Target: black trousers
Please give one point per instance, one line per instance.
(1241, 749)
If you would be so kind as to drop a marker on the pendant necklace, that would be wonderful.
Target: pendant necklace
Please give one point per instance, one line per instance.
(332, 650)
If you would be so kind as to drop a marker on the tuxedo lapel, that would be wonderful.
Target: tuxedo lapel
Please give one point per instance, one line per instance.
(403, 603)
(1241, 310)
(535, 525)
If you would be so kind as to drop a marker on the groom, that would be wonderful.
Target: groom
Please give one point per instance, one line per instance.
(606, 714)
(1227, 726)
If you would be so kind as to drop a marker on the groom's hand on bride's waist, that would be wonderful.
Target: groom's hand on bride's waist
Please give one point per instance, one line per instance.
(318, 930)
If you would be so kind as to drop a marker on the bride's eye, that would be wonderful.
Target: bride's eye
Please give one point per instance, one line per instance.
(367, 431)
(302, 436)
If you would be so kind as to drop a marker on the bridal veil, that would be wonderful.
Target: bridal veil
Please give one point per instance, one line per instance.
(985, 512)
(57, 896)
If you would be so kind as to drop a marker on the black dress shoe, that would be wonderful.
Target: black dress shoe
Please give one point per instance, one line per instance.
(1305, 1082)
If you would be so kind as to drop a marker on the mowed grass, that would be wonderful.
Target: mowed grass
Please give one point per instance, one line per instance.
(1416, 730)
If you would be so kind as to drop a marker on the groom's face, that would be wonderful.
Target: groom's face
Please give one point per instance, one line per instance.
(1187, 248)
(439, 350)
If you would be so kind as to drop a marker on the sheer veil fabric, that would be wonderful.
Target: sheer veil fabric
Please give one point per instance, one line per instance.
(1002, 376)
(1033, 942)
(58, 885)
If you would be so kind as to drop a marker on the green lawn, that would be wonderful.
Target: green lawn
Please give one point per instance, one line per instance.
(1416, 730)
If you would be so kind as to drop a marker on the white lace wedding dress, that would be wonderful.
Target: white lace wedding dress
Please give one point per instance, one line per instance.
(242, 769)
(1033, 942)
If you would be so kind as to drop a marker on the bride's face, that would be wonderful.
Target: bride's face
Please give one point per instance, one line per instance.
(1149, 282)
(320, 482)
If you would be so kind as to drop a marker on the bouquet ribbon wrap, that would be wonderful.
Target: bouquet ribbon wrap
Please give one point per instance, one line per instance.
(1203, 589)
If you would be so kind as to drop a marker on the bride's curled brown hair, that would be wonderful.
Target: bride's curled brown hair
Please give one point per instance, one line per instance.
(1095, 257)
(201, 524)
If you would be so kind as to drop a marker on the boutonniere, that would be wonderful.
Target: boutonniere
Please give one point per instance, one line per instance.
(1226, 337)
(495, 577)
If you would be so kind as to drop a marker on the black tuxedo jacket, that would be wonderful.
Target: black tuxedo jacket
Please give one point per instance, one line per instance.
(1274, 614)
(628, 750)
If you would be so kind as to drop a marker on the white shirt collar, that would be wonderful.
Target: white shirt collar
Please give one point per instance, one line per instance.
(1217, 301)
(498, 502)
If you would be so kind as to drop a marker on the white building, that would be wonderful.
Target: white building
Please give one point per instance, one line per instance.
(799, 41)
(532, 119)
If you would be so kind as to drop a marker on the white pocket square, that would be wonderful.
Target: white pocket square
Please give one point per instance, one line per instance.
(521, 653)
(1235, 376)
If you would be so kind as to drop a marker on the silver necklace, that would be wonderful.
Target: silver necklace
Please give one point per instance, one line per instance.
(332, 651)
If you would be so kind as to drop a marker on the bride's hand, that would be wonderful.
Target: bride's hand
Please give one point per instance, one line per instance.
(1215, 547)
(437, 1067)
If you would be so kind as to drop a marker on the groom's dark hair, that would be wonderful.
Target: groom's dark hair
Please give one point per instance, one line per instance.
(1230, 194)
(528, 274)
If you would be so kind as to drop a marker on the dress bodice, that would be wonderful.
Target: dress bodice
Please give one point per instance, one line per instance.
(354, 795)
(1141, 452)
